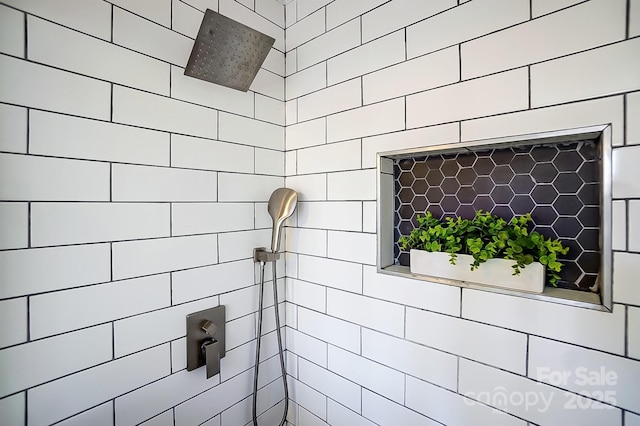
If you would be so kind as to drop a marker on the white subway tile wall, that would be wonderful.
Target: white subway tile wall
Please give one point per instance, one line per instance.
(132, 195)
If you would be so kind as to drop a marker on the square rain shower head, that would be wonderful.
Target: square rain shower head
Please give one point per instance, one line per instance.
(227, 52)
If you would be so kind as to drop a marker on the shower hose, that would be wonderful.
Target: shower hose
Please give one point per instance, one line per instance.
(280, 352)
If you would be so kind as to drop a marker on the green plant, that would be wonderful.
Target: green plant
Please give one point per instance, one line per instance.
(485, 237)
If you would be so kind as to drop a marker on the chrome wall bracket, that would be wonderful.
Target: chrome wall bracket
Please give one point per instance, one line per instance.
(260, 254)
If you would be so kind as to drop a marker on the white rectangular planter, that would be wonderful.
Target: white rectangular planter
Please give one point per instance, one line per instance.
(494, 272)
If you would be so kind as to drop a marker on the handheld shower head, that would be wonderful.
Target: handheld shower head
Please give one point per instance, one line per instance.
(282, 203)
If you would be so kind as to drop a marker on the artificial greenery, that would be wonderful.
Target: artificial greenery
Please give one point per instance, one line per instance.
(485, 237)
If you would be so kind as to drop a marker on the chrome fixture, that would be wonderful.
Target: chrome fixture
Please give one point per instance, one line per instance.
(282, 204)
(206, 339)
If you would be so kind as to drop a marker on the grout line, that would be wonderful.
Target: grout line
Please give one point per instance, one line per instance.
(113, 340)
(628, 21)
(626, 331)
(625, 124)
(111, 33)
(526, 357)
(28, 318)
(529, 86)
(26, 37)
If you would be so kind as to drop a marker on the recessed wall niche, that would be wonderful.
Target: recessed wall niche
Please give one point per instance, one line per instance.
(562, 178)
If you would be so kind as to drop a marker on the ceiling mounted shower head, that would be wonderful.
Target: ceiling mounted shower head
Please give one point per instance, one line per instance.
(282, 203)
(227, 52)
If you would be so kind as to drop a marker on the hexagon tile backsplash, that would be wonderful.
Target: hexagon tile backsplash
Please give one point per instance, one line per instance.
(558, 184)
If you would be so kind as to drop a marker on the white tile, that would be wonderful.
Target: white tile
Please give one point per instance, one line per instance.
(328, 158)
(631, 419)
(306, 81)
(161, 113)
(542, 7)
(352, 246)
(240, 245)
(354, 185)
(268, 84)
(290, 163)
(544, 38)
(13, 128)
(420, 294)
(185, 19)
(370, 120)
(178, 354)
(237, 187)
(269, 162)
(309, 133)
(633, 110)
(634, 227)
(246, 131)
(587, 370)
(634, 18)
(144, 257)
(470, 20)
(38, 178)
(466, 338)
(208, 281)
(307, 347)
(62, 311)
(329, 329)
(305, 8)
(338, 415)
(143, 183)
(66, 354)
(309, 187)
(338, 215)
(331, 43)
(369, 57)
(57, 268)
(38, 86)
(470, 99)
(604, 331)
(624, 161)
(370, 375)
(14, 225)
(619, 225)
(312, 242)
(159, 12)
(423, 73)
(332, 273)
(366, 311)
(341, 11)
(61, 398)
(369, 216)
(410, 358)
(102, 415)
(290, 10)
(14, 312)
(64, 136)
(269, 109)
(633, 332)
(275, 61)
(435, 135)
(477, 380)
(164, 419)
(451, 408)
(201, 218)
(242, 14)
(306, 29)
(387, 413)
(73, 223)
(13, 409)
(207, 154)
(240, 331)
(335, 387)
(12, 30)
(626, 267)
(291, 66)
(603, 71)
(307, 418)
(203, 5)
(397, 14)
(274, 11)
(578, 114)
(312, 400)
(200, 408)
(63, 48)
(91, 17)
(143, 331)
(333, 99)
(146, 402)
(306, 294)
(210, 95)
(146, 37)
